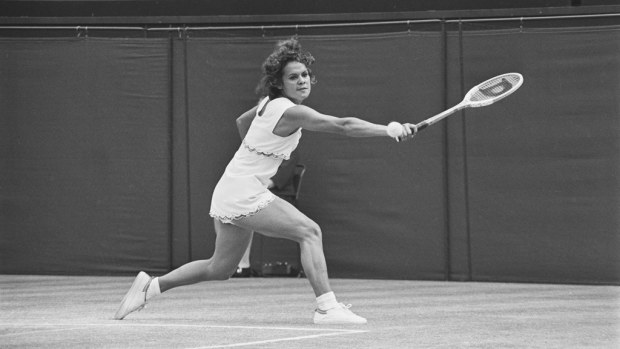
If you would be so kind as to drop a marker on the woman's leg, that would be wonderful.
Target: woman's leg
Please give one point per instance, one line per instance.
(283, 220)
(279, 219)
(230, 244)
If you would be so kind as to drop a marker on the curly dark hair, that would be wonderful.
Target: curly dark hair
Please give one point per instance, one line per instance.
(286, 51)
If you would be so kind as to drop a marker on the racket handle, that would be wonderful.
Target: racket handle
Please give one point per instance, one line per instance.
(426, 123)
(422, 125)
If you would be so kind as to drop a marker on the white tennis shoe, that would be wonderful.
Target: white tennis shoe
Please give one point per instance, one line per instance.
(135, 299)
(338, 315)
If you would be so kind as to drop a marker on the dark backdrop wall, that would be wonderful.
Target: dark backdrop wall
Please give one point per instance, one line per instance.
(84, 139)
(543, 169)
(110, 148)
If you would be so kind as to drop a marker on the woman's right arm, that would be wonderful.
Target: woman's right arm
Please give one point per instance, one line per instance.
(311, 120)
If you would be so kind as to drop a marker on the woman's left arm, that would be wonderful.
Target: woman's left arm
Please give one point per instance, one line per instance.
(245, 120)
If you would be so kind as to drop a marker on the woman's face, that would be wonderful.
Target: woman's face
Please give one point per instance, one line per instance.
(296, 82)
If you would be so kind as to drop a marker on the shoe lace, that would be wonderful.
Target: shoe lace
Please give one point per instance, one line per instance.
(145, 289)
(341, 305)
(345, 306)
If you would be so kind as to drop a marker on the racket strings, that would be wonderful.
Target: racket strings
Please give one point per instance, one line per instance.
(495, 88)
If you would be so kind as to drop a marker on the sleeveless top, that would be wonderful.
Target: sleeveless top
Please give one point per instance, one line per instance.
(242, 189)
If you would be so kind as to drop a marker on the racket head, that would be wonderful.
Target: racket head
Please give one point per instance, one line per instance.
(493, 89)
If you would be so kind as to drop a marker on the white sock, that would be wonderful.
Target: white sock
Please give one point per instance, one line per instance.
(153, 289)
(327, 301)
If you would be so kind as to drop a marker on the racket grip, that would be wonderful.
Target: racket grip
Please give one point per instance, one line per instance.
(422, 125)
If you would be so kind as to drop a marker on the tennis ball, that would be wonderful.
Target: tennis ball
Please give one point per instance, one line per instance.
(394, 129)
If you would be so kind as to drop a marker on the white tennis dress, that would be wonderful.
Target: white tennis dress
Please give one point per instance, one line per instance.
(242, 190)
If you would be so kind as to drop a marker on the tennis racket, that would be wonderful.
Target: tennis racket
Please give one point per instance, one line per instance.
(483, 94)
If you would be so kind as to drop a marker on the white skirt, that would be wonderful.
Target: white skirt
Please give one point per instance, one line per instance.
(238, 197)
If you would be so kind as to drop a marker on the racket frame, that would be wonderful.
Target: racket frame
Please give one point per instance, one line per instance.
(466, 103)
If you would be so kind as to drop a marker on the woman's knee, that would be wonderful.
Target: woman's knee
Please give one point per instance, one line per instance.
(310, 232)
(219, 272)
(220, 275)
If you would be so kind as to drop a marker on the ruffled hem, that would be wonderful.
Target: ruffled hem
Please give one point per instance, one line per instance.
(229, 219)
(271, 155)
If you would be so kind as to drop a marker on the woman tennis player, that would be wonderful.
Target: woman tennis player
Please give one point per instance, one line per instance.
(241, 201)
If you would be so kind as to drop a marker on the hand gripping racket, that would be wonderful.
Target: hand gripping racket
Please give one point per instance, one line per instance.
(483, 94)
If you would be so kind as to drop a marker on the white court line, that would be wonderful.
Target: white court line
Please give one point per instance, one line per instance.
(73, 326)
(279, 340)
(127, 323)
(41, 331)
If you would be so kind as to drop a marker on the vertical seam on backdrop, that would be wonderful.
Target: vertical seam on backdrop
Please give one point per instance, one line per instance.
(171, 149)
(187, 152)
(465, 157)
(446, 163)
